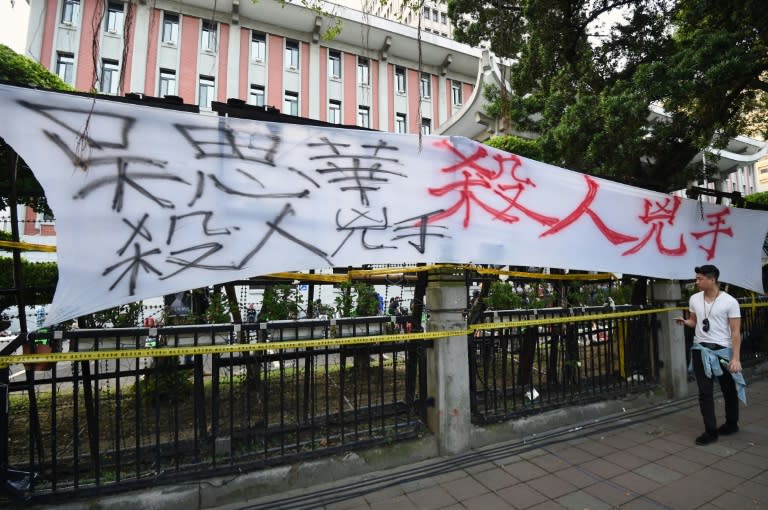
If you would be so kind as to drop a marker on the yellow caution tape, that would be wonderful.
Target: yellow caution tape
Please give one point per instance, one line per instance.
(27, 246)
(546, 321)
(5, 361)
(60, 357)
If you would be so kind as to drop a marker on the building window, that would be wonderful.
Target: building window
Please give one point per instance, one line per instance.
(334, 64)
(207, 90)
(426, 12)
(443, 18)
(65, 67)
(114, 22)
(363, 71)
(110, 76)
(70, 12)
(291, 103)
(401, 124)
(258, 46)
(434, 14)
(426, 126)
(456, 93)
(167, 83)
(426, 85)
(170, 28)
(364, 117)
(334, 111)
(291, 54)
(400, 80)
(208, 36)
(257, 95)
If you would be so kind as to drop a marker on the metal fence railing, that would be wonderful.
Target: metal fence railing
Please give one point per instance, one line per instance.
(110, 422)
(523, 370)
(584, 354)
(86, 427)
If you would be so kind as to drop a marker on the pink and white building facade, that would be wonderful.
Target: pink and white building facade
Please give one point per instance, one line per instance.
(262, 53)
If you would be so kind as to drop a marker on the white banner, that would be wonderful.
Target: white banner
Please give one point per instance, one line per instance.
(150, 202)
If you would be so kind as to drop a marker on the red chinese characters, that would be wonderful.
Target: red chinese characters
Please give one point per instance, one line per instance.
(717, 222)
(476, 179)
(663, 214)
(584, 209)
(497, 189)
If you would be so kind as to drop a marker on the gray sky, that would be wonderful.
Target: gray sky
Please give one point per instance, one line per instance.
(13, 24)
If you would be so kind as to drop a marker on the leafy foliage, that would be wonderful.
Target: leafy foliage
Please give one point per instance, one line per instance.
(502, 296)
(758, 199)
(367, 300)
(584, 73)
(345, 300)
(516, 145)
(280, 302)
(356, 300)
(19, 69)
(39, 282)
(218, 309)
(123, 316)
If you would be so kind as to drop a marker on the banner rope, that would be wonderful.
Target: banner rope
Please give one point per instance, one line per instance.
(362, 273)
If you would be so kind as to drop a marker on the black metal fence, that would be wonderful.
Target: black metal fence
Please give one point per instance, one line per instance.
(88, 427)
(106, 425)
(754, 330)
(522, 370)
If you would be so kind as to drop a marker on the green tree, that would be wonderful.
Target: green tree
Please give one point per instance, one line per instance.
(280, 302)
(367, 300)
(356, 300)
(520, 146)
(19, 69)
(218, 309)
(15, 68)
(502, 296)
(757, 200)
(123, 316)
(584, 74)
(39, 282)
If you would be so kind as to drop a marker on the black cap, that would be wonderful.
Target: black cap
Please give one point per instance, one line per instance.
(708, 270)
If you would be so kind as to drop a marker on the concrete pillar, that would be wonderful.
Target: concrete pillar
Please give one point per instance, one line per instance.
(673, 372)
(447, 363)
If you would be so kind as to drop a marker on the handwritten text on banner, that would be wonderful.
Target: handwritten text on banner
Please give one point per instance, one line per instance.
(151, 201)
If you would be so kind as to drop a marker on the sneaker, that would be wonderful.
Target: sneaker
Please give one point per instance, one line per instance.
(727, 429)
(706, 438)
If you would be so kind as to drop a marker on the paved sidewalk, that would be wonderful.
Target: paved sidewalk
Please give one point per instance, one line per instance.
(639, 460)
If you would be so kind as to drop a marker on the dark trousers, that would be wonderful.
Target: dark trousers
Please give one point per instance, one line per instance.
(706, 399)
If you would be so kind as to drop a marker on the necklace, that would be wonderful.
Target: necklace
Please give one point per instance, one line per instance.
(711, 306)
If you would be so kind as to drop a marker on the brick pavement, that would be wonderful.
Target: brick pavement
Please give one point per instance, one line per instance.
(635, 461)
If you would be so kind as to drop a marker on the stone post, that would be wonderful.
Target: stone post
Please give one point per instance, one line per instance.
(673, 372)
(447, 363)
